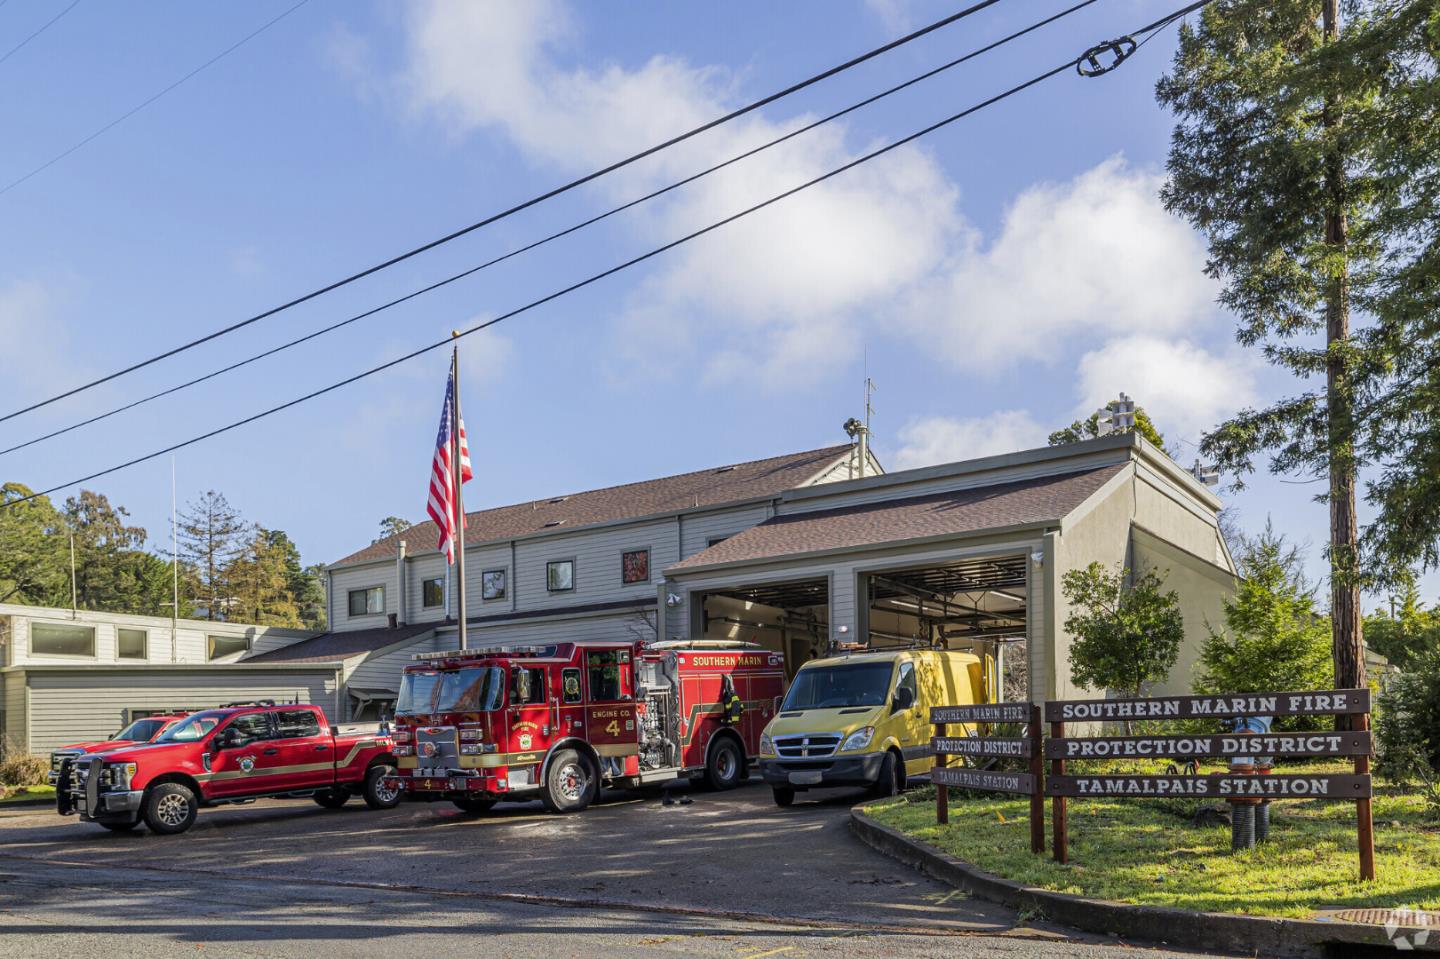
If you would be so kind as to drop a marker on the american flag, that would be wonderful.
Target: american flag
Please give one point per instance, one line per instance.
(442, 489)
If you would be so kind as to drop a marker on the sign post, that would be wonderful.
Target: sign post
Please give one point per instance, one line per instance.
(1030, 748)
(1061, 843)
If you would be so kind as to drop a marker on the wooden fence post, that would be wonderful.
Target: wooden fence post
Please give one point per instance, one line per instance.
(1037, 771)
(942, 791)
(1365, 827)
(1057, 804)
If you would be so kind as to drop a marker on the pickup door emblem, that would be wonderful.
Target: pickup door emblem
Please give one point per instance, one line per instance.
(247, 763)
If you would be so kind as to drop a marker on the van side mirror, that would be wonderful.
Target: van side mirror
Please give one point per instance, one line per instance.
(904, 699)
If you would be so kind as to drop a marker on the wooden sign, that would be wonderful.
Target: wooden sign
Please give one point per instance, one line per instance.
(982, 713)
(1220, 786)
(1333, 702)
(981, 746)
(1022, 783)
(1278, 745)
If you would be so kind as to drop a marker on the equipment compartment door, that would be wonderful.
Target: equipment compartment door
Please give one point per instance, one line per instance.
(610, 717)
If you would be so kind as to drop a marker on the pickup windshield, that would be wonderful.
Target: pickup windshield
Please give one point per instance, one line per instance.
(141, 730)
(833, 687)
(191, 728)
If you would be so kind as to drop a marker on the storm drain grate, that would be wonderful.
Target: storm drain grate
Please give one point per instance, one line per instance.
(1409, 918)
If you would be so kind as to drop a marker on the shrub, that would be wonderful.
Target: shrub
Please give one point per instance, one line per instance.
(1407, 728)
(23, 769)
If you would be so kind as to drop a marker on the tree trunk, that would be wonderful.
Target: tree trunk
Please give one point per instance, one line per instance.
(1346, 628)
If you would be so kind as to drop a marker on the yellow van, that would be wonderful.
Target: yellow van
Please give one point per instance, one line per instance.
(864, 719)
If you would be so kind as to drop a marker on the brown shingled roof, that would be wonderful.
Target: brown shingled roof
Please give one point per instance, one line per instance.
(330, 647)
(957, 512)
(709, 487)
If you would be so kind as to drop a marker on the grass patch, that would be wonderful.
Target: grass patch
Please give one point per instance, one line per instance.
(26, 793)
(1147, 852)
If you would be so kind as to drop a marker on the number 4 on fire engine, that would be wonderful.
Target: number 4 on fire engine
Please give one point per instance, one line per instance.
(614, 727)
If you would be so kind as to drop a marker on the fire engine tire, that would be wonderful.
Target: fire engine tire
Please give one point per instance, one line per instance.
(571, 783)
(890, 782)
(169, 809)
(331, 798)
(119, 826)
(475, 805)
(377, 794)
(726, 766)
(784, 797)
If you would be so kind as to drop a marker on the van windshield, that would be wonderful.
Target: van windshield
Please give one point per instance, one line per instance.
(834, 687)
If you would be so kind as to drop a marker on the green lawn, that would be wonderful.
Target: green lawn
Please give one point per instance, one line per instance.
(1146, 851)
(30, 792)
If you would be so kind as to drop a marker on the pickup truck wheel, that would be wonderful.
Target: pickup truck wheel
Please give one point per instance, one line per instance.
(784, 797)
(474, 805)
(571, 782)
(331, 798)
(119, 826)
(377, 794)
(170, 808)
(726, 765)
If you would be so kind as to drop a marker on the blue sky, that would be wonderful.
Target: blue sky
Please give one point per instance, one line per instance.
(996, 279)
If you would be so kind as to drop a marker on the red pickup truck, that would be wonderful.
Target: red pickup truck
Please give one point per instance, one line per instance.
(143, 730)
(235, 754)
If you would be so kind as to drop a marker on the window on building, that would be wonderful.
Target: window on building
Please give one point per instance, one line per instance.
(570, 684)
(296, 724)
(218, 647)
(527, 686)
(367, 602)
(61, 639)
(560, 575)
(635, 567)
(492, 584)
(432, 593)
(130, 643)
(715, 540)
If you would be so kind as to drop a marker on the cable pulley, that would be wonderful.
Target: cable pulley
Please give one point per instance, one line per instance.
(1120, 49)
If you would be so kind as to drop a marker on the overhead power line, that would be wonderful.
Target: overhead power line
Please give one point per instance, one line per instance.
(145, 103)
(596, 277)
(48, 24)
(553, 236)
(416, 251)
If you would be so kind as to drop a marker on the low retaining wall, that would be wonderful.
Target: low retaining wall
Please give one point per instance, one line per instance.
(1250, 935)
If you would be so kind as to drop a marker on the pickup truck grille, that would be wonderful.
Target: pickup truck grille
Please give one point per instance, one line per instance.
(806, 747)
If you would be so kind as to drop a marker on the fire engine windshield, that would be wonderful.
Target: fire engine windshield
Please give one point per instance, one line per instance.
(476, 690)
(417, 693)
(833, 687)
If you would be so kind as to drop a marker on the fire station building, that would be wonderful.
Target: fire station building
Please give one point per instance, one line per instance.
(795, 553)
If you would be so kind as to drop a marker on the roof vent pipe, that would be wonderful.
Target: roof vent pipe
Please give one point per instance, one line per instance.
(399, 616)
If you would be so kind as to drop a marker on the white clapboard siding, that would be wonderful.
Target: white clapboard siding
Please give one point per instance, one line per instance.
(342, 581)
(15, 718)
(596, 554)
(381, 670)
(427, 566)
(701, 528)
(76, 705)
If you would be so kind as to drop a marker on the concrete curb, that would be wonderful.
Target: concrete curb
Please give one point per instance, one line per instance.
(1250, 935)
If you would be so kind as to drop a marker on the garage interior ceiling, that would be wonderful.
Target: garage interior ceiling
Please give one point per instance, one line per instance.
(798, 595)
(969, 599)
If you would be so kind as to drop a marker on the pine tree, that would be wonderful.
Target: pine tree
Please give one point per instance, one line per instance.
(212, 534)
(33, 568)
(109, 556)
(1089, 429)
(259, 585)
(1306, 151)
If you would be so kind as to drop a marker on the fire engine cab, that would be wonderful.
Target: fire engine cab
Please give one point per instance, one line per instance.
(557, 721)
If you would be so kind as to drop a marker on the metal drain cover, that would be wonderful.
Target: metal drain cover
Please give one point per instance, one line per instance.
(1405, 918)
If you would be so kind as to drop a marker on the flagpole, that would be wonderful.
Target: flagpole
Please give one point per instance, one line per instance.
(456, 479)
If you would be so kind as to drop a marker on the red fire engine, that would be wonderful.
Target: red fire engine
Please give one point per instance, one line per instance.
(558, 721)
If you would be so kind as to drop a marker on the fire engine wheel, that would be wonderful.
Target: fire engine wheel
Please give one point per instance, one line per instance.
(377, 794)
(784, 797)
(331, 798)
(725, 766)
(571, 783)
(474, 805)
(170, 808)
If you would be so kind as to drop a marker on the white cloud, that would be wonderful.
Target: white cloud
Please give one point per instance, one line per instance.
(1096, 255)
(943, 439)
(894, 15)
(1185, 389)
(36, 350)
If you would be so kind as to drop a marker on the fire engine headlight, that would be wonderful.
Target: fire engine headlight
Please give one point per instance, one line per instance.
(471, 749)
(767, 745)
(402, 735)
(471, 735)
(859, 739)
(404, 750)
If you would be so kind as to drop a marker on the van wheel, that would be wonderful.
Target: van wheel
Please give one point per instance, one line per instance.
(377, 794)
(474, 805)
(571, 783)
(170, 809)
(890, 782)
(726, 766)
(331, 798)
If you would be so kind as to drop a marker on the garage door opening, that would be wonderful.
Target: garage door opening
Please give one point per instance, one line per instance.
(790, 618)
(973, 605)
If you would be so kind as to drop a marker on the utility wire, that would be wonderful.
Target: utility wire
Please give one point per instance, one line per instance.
(596, 277)
(48, 24)
(649, 151)
(145, 103)
(554, 236)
